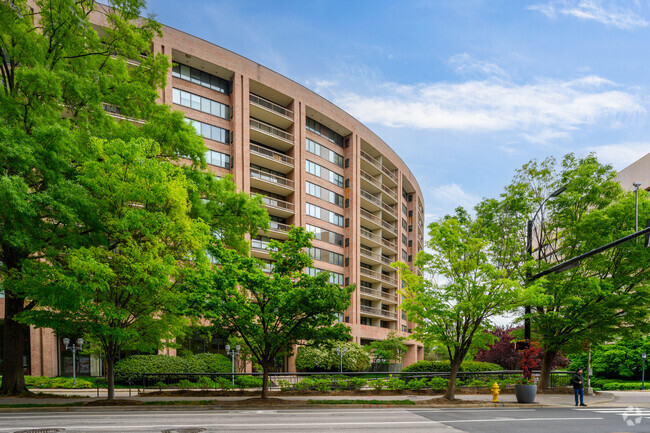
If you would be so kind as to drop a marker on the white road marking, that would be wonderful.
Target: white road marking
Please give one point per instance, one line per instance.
(518, 419)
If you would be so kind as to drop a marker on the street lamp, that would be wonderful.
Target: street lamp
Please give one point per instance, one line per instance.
(529, 250)
(74, 348)
(636, 207)
(232, 354)
(644, 356)
(341, 352)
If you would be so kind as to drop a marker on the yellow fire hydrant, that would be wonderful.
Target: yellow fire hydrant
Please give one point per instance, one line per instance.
(495, 392)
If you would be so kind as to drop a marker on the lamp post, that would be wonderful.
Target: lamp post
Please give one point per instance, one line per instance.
(636, 207)
(644, 356)
(341, 351)
(233, 353)
(529, 250)
(74, 348)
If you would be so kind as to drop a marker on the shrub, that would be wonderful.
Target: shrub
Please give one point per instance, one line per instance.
(185, 384)
(248, 381)
(377, 384)
(205, 383)
(438, 383)
(356, 383)
(395, 384)
(56, 382)
(223, 383)
(443, 366)
(285, 385)
(325, 358)
(132, 367)
(417, 383)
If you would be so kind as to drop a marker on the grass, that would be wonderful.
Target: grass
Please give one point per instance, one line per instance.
(400, 402)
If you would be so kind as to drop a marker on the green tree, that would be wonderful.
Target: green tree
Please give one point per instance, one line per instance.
(272, 313)
(469, 285)
(57, 75)
(392, 349)
(123, 291)
(605, 295)
(323, 357)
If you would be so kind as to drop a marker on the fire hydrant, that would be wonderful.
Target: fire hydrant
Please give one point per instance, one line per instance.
(495, 392)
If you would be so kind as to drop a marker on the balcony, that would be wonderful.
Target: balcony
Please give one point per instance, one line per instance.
(271, 182)
(377, 222)
(378, 294)
(270, 112)
(377, 204)
(379, 187)
(387, 279)
(276, 206)
(114, 111)
(269, 134)
(280, 230)
(371, 256)
(374, 275)
(268, 158)
(378, 312)
(375, 240)
(388, 174)
(260, 248)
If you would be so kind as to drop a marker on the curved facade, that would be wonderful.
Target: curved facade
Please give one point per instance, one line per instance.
(316, 167)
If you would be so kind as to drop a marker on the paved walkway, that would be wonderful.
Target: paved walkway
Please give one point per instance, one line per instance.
(59, 396)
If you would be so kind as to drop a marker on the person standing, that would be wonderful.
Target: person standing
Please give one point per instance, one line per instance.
(578, 382)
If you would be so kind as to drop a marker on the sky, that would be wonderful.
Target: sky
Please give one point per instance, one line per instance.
(465, 91)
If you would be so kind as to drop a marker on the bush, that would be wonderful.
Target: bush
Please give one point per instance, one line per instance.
(395, 384)
(185, 384)
(377, 384)
(417, 383)
(443, 366)
(356, 383)
(248, 381)
(132, 367)
(56, 382)
(438, 383)
(205, 383)
(325, 358)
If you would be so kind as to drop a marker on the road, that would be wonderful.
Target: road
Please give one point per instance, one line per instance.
(591, 419)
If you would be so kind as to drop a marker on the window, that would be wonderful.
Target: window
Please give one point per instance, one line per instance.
(403, 328)
(324, 214)
(404, 224)
(366, 284)
(404, 240)
(204, 79)
(313, 210)
(324, 131)
(404, 255)
(324, 152)
(313, 168)
(366, 303)
(325, 256)
(335, 277)
(325, 194)
(210, 132)
(366, 321)
(196, 102)
(324, 173)
(404, 209)
(325, 235)
(218, 159)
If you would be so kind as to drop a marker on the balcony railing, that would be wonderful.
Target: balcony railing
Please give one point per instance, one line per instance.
(379, 294)
(371, 273)
(379, 185)
(272, 178)
(371, 198)
(271, 106)
(374, 218)
(274, 202)
(378, 312)
(379, 166)
(272, 130)
(370, 235)
(389, 279)
(371, 255)
(279, 227)
(268, 153)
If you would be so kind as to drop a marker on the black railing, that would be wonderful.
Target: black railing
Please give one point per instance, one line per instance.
(337, 381)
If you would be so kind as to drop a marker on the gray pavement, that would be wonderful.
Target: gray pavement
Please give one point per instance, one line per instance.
(594, 419)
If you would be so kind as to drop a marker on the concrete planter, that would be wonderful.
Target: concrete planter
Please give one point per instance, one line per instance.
(525, 393)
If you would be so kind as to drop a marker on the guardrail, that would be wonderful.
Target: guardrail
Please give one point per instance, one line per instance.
(333, 380)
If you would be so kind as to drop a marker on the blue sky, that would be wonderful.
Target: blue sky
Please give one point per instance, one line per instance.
(465, 91)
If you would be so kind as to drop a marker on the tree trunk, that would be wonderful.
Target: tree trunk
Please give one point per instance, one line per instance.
(110, 377)
(13, 375)
(451, 386)
(265, 382)
(547, 362)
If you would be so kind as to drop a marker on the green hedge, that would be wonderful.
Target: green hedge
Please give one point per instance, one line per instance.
(55, 382)
(325, 358)
(134, 366)
(441, 366)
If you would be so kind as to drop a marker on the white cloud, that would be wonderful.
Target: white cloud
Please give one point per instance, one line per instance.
(454, 195)
(607, 13)
(539, 110)
(622, 154)
(468, 65)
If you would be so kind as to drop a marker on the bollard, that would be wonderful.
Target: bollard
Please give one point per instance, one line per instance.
(495, 392)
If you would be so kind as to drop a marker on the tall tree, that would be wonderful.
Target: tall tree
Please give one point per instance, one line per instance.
(122, 292)
(603, 296)
(468, 285)
(392, 349)
(58, 77)
(273, 312)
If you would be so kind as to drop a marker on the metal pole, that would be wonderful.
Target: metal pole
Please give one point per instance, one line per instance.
(342, 361)
(529, 251)
(74, 366)
(643, 373)
(232, 356)
(589, 368)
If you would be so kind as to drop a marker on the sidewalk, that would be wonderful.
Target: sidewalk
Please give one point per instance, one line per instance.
(473, 400)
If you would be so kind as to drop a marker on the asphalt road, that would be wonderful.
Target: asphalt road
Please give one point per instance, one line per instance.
(556, 420)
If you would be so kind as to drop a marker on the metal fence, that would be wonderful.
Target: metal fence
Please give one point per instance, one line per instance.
(336, 381)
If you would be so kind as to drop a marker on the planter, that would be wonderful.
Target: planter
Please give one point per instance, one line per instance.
(525, 393)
